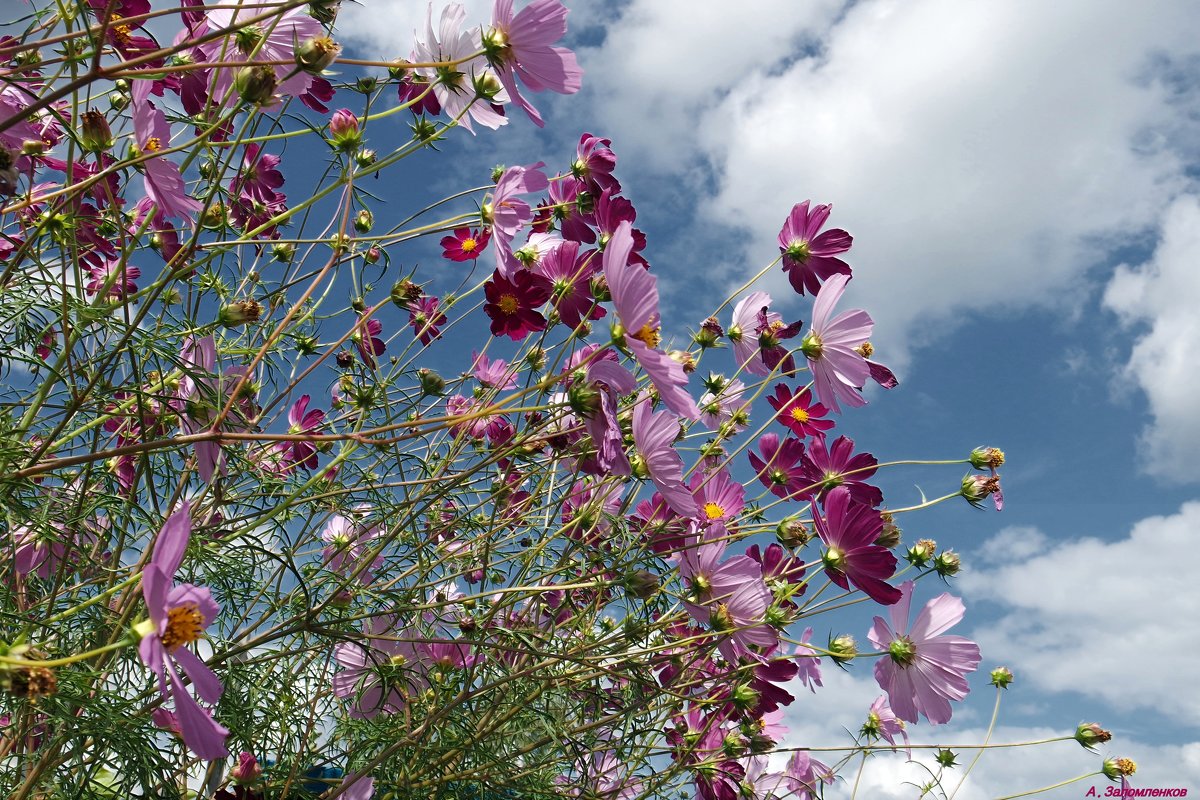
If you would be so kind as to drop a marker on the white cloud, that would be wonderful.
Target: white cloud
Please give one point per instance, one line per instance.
(985, 154)
(1107, 619)
(817, 720)
(1165, 293)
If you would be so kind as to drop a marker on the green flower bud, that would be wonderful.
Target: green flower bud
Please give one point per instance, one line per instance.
(1001, 677)
(317, 53)
(95, 135)
(256, 84)
(1089, 734)
(242, 312)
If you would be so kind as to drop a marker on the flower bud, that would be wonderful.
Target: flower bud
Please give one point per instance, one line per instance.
(364, 221)
(919, 554)
(1001, 677)
(641, 584)
(404, 293)
(976, 488)
(947, 563)
(946, 758)
(242, 312)
(315, 54)
(247, 770)
(536, 358)
(710, 333)
(366, 83)
(1089, 734)
(344, 359)
(365, 157)
(432, 384)
(791, 532)
(343, 130)
(95, 135)
(373, 254)
(117, 101)
(584, 399)
(283, 252)
(842, 649)
(256, 84)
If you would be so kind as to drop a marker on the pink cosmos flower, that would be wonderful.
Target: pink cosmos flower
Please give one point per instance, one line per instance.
(809, 256)
(743, 331)
(492, 373)
(39, 553)
(654, 434)
(923, 669)
(301, 420)
(425, 316)
(594, 165)
(366, 339)
(465, 244)
(882, 722)
(380, 675)
(163, 181)
(471, 91)
(522, 46)
(718, 408)
(569, 273)
(202, 394)
(849, 531)
(808, 661)
(121, 279)
(635, 295)
(729, 596)
(719, 497)
(804, 774)
(798, 411)
(839, 370)
(347, 543)
(273, 39)
(179, 614)
(610, 380)
(507, 213)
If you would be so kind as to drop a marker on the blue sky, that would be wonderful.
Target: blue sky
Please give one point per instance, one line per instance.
(1020, 181)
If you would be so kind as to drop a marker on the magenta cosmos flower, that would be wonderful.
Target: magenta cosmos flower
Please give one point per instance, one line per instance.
(164, 183)
(923, 669)
(849, 531)
(809, 257)
(512, 303)
(778, 465)
(826, 467)
(464, 244)
(302, 420)
(635, 294)
(654, 434)
(798, 412)
(179, 614)
(522, 46)
(839, 370)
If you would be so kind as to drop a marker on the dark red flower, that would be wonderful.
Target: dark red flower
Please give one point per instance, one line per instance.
(512, 304)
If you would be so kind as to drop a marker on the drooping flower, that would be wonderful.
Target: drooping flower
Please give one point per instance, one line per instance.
(804, 774)
(506, 213)
(366, 339)
(425, 315)
(522, 46)
(654, 435)
(635, 295)
(882, 723)
(809, 257)
(743, 331)
(164, 183)
(465, 244)
(808, 661)
(594, 164)
(839, 370)
(772, 333)
(849, 531)
(923, 669)
(179, 614)
(798, 411)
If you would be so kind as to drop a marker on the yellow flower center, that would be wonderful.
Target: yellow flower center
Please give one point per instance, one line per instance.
(121, 34)
(469, 245)
(508, 303)
(714, 510)
(648, 335)
(799, 414)
(152, 145)
(184, 625)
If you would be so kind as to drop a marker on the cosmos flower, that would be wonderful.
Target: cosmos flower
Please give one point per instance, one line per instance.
(507, 213)
(635, 295)
(809, 257)
(839, 370)
(163, 181)
(512, 303)
(826, 467)
(522, 46)
(849, 531)
(382, 673)
(798, 412)
(179, 614)
(923, 669)
(470, 92)
(465, 244)
(654, 435)
(778, 465)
